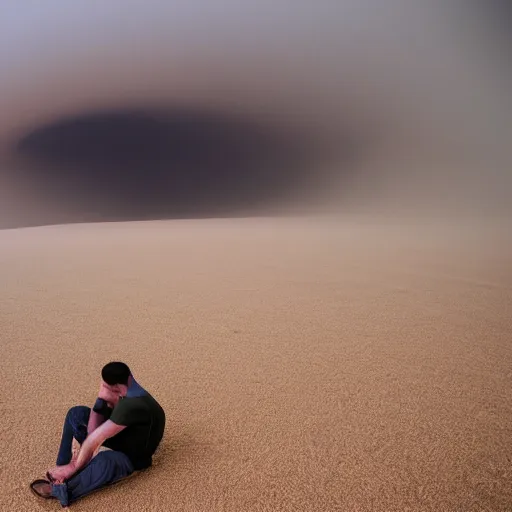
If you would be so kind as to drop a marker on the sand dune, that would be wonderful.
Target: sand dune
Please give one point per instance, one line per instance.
(305, 365)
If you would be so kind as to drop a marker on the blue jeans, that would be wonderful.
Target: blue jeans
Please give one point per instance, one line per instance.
(106, 468)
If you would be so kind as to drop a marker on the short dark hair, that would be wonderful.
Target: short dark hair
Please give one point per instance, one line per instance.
(115, 373)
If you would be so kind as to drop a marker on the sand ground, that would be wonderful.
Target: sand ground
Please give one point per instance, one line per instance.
(305, 365)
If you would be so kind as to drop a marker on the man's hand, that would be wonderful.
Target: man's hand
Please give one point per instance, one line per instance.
(108, 394)
(60, 474)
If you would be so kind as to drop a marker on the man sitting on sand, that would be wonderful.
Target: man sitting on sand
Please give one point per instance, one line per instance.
(125, 418)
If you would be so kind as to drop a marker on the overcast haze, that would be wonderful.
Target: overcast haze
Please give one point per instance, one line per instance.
(397, 104)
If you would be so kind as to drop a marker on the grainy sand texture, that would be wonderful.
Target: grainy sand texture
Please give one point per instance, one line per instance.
(304, 364)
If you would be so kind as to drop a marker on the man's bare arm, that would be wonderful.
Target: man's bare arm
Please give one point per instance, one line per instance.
(95, 420)
(94, 441)
(89, 447)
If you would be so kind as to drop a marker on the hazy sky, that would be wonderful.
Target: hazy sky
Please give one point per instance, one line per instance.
(411, 76)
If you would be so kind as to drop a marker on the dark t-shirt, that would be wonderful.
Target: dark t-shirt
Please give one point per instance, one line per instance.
(144, 420)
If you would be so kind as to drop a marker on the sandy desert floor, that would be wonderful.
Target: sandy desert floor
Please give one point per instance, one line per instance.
(305, 365)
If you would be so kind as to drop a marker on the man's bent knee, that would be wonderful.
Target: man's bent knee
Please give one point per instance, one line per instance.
(78, 417)
(78, 412)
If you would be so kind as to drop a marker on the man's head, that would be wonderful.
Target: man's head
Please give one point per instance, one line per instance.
(116, 377)
(116, 373)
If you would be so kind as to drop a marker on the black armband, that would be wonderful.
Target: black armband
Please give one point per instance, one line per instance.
(101, 407)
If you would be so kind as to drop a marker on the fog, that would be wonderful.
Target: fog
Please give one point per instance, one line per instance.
(139, 110)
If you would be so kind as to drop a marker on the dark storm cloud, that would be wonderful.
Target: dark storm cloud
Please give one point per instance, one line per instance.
(124, 164)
